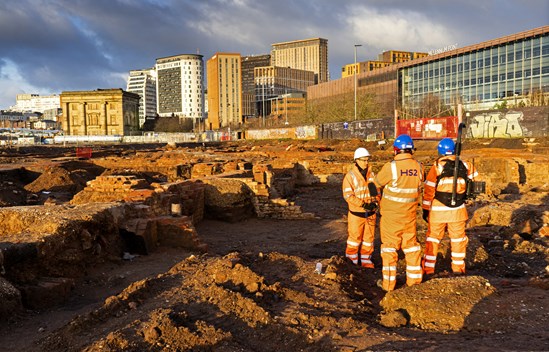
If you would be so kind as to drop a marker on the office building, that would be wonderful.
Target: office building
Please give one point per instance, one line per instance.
(513, 70)
(100, 112)
(306, 55)
(224, 91)
(248, 64)
(143, 83)
(180, 86)
(272, 82)
(35, 103)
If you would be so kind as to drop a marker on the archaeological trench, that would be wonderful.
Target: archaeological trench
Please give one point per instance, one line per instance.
(60, 215)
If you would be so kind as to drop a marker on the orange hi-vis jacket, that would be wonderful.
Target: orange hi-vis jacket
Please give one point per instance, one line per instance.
(360, 223)
(355, 188)
(438, 211)
(401, 179)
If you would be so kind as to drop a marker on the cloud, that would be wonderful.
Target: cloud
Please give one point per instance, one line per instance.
(394, 29)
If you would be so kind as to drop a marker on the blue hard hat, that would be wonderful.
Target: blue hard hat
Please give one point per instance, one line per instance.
(403, 141)
(446, 146)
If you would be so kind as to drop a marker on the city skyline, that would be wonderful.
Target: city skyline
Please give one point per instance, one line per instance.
(61, 45)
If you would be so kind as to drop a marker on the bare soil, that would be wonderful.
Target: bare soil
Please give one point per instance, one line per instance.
(256, 290)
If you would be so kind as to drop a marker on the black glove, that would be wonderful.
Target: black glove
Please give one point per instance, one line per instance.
(371, 207)
(425, 215)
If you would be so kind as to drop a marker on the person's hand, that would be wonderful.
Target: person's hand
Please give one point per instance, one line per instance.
(425, 215)
(372, 206)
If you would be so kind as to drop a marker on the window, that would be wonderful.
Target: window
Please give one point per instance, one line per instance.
(518, 55)
(466, 66)
(479, 63)
(487, 79)
(535, 71)
(527, 72)
(509, 75)
(473, 65)
(545, 69)
(473, 81)
(510, 57)
(502, 59)
(494, 78)
(536, 51)
(518, 74)
(487, 62)
(494, 60)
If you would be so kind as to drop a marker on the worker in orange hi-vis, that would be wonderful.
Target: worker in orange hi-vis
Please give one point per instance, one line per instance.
(438, 210)
(401, 180)
(362, 198)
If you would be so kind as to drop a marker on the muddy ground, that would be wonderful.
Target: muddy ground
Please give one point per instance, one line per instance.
(256, 287)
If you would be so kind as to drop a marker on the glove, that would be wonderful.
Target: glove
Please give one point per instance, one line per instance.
(425, 215)
(372, 206)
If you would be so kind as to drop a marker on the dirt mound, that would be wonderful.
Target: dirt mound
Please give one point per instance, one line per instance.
(236, 303)
(70, 177)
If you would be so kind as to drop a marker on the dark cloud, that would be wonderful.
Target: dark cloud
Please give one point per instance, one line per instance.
(48, 46)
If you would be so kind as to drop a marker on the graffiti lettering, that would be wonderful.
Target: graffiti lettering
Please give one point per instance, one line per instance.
(497, 125)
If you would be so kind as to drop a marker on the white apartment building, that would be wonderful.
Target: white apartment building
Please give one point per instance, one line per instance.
(143, 82)
(180, 86)
(36, 103)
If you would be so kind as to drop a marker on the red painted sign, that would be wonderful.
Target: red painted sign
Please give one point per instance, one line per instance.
(428, 128)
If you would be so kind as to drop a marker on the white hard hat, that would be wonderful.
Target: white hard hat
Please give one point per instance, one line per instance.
(361, 152)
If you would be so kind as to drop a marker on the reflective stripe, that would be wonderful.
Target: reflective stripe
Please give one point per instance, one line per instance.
(352, 256)
(429, 264)
(411, 249)
(414, 276)
(348, 189)
(389, 277)
(389, 268)
(458, 255)
(457, 240)
(413, 267)
(474, 174)
(432, 239)
(450, 181)
(367, 262)
(353, 244)
(402, 190)
(427, 202)
(445, 208)
(458, 262)
(368, 244)
(388, 250)
(430, 183)
(364, 256)
(400, 200)
(431, 257)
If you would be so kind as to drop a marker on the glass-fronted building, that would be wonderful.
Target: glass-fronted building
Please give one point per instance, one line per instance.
(510, 69)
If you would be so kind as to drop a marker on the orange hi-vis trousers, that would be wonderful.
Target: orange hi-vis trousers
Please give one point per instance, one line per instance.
(360, 239)
(458, 245)
(399, 233)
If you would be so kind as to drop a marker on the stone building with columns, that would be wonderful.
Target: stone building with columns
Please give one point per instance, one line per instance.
(100, 112)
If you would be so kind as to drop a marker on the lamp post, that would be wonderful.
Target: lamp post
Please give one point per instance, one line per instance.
(355, 69)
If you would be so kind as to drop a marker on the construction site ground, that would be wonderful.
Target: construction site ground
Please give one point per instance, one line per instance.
(250, 283)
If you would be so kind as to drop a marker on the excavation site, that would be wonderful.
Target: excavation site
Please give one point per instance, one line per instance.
(240, 246)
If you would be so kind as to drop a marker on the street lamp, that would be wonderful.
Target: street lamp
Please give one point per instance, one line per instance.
(355, 69)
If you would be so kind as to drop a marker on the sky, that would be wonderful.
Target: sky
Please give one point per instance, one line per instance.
(51, 46)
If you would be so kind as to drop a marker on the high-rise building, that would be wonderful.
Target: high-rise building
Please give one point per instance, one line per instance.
(224, 90)
(308, 54)
(249, 63)
(271, 82)
(396, 56)
(143, 83)
(180, 86)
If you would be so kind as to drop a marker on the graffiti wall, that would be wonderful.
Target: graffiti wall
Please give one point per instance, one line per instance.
(301, 132)
(527, 122)
(370, 130)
